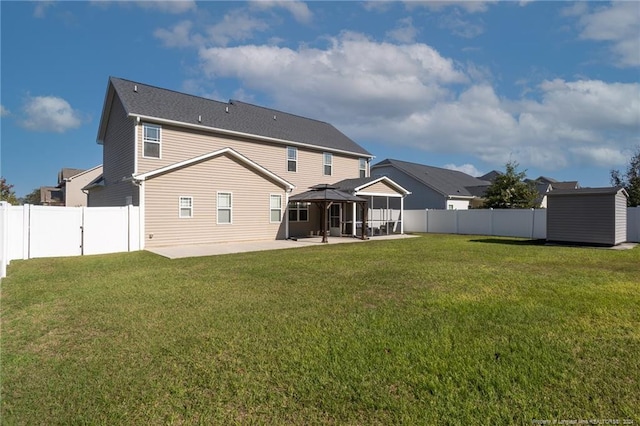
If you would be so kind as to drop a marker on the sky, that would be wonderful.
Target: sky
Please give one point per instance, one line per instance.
(470, 86)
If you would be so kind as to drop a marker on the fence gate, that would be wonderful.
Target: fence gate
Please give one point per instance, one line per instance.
(55, 231)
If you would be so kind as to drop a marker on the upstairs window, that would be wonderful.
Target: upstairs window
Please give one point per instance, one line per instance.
(292, 159)
(151, 140)
(327, 163)
(363, 167)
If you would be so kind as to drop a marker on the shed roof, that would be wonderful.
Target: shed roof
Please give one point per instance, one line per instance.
(150, 102)
(613, 190)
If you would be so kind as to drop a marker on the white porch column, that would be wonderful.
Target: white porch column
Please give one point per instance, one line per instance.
(402, 215)
(354, 208)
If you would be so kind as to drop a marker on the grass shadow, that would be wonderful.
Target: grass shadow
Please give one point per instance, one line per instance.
(505, 241)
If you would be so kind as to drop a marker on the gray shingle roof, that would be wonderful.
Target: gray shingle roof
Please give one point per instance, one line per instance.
(445, 181)
(349, 185)
(587, 191)
(143, 100)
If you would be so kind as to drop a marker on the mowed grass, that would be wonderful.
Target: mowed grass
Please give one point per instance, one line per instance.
(432, 330)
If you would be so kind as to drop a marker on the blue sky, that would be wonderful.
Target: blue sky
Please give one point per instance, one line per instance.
(554, 86)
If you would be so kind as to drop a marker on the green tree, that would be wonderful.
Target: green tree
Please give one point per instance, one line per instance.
(509, 191)
(6, 192)
(33, 197)
(630, 181)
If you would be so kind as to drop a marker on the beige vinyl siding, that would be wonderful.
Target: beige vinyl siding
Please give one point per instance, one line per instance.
(118, 160)
(380, 188)
(179, 144)
(202, 181)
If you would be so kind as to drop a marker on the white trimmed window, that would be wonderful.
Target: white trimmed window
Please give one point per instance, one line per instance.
(151, 140)
(327, 162)
(185, 206)
(298, 212)
(363, 167)
(275, 205)
(224, 207)
(292, 159)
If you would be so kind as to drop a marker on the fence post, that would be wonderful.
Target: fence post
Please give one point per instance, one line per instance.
(4, 238)
(491, 221)
(426, 220)
(533, 222)
(26, 230)
(455, 213)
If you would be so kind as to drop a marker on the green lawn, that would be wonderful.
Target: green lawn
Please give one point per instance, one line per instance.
(432, 330)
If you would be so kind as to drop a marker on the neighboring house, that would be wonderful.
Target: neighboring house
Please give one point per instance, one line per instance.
(51, 196)
(544, 185)
(71, 183)
(433, 187)
(204, 171)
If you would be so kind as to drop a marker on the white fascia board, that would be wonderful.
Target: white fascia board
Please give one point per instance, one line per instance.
(82, 173)
(230, 151)
(387, 180)
(247, 135)
(378, 194)
(461, 197)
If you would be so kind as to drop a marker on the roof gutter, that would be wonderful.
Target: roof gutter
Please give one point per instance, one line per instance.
(245, 135)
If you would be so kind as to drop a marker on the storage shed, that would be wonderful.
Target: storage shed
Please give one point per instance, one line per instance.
(595, 216)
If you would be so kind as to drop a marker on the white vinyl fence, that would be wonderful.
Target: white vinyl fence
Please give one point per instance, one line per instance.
(28, 232)
(499, 222)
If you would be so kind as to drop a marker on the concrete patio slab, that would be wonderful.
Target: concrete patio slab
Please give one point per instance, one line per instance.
(198, 250)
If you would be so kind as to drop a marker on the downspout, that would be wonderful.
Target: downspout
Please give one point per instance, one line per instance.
(141, 215)
(135, 145)
(286, 213)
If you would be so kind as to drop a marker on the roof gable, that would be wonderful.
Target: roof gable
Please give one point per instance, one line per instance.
(359, 184)
(225, 151)
(149, 102)
(446, 182)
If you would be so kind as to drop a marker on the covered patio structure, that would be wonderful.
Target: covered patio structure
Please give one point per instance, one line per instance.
(385, 203)
(360, 207)
(331, 202)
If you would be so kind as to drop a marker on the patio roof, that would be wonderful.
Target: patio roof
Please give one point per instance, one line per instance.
(328, 193)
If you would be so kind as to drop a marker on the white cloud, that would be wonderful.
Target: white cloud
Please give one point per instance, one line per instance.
(409, 95)
(168, 6)
(352, 73)
(405, 32)
(617, 24)
(237, 25)
(41, 7)
(298, 9)
(178, 36)
(461, 27)
(4, 112)
(470, 6)
(174, 7)
(601, 156)
(50, 114)
(469, 169)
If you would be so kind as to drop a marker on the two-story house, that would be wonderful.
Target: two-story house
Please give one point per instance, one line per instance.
(204, 171)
